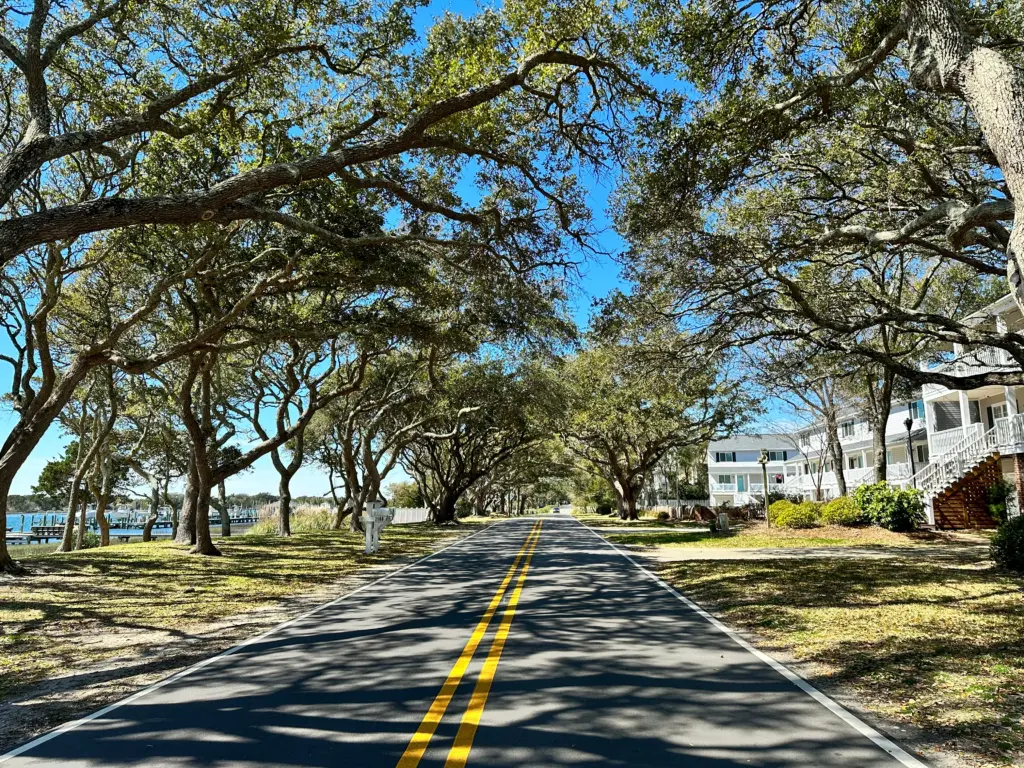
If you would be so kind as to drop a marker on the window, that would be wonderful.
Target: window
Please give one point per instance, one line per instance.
(725, 479)
(846, 429)
(888, 458)
(922, 454)
(777, 455)
(724, 456)
(856, 462)
(917, 409)
(999, 411)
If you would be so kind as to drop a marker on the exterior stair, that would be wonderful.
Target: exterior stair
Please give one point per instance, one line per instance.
(964, 505)
(951, 481)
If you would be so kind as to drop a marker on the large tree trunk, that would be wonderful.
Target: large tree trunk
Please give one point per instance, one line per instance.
(67, 541)
(284, 505)
(7, 563)
(225, 518)
(625, 496)
(341, 511)
(945, 58)
(204, 542)
(24, 437)
(175, 518)
(154, 511)
(444, 513)
(186, 528)
(835, 452)
(99, 493)
(80, 531)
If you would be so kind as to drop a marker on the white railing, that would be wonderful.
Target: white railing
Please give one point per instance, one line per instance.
(949, 440)
(945, 470)
(723, 487)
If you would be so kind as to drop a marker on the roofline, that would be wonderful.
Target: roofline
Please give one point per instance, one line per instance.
(997, 307)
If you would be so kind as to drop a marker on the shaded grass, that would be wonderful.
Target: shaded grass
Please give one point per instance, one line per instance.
(758, 535)
(613, 521)
(935, 644)
(80, 608)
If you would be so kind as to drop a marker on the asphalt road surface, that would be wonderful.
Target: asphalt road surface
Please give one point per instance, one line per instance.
(530, 643)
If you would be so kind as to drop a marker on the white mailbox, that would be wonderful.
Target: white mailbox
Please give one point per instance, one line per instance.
(374, 519)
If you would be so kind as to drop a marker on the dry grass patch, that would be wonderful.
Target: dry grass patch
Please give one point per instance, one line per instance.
(759, 535)
(79, 609)
(935, 644)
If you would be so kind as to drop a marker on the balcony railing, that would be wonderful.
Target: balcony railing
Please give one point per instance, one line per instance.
(946, 441)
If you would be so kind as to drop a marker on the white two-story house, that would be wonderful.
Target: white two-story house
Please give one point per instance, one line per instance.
(735, 476)
(811, 474)
(973, 435)
(952, 445)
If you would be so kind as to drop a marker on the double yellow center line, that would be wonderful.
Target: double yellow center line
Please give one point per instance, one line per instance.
(459, 753)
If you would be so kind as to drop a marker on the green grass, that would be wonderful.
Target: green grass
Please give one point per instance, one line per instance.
(613, 521)
(758, 535)
(935, 644)
(80, 608)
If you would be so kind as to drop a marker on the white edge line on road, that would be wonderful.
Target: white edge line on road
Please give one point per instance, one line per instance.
(834, 707)
(72, 725)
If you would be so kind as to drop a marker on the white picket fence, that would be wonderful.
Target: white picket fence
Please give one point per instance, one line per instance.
(405, 515)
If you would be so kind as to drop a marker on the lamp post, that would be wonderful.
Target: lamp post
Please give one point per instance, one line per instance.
(909, 424)
(763, 461)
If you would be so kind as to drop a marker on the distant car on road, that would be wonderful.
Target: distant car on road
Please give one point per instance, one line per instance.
(556, 510)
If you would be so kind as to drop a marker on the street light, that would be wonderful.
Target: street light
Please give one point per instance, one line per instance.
(763, 461)
(909, 424)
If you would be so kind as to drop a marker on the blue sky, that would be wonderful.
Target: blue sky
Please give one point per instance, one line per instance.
(599, 275)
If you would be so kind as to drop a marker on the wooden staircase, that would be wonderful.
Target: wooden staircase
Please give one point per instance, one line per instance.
(964, 503)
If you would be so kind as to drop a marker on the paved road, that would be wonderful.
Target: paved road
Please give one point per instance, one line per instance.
(600, 667)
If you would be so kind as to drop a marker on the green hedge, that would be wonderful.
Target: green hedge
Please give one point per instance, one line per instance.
(843, 511)
(892, 508)
(1008, 544)
(786, 514)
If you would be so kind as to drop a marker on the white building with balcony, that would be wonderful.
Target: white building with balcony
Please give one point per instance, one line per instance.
(969, 429)
(811, 473)
(735, 476)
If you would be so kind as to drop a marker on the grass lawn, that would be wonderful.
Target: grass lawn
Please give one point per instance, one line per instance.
(123, 601)
(613, 521)
(758, 535)
(929, 643)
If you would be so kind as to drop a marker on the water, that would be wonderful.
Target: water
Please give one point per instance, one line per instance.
(132, 523)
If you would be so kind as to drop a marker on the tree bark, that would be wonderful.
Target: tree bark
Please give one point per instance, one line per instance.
(945, 58)
(154, 511)
(445, 511)
(341, 512)
(80, 530)
(284, 505)
(186, 528)
(99, 493)
(225, 518)
(8, 564)
(835, 452)
(67, 541)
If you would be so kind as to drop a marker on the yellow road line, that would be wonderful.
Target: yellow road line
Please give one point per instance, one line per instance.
(459, 753)
(421, 739)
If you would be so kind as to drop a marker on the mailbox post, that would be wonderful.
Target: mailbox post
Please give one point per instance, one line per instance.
(374, 520)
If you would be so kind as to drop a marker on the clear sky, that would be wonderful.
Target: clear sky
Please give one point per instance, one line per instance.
(599, 275)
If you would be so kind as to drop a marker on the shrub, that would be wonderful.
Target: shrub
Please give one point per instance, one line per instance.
(843, 511)
(891, 508)
(1008, 544)
(663, 515)
(997, 495)
(786, 514)
(90, 540)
